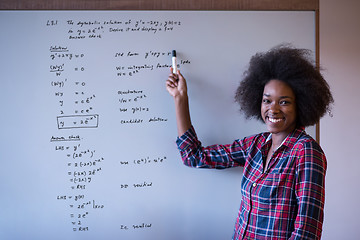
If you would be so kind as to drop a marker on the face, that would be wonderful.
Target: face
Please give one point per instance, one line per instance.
(278, 108)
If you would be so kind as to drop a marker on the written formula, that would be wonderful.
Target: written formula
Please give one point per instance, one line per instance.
(96, 29)
(145, 160)
(78, 121)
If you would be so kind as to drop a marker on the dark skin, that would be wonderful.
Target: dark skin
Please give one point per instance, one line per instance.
(278, 110)
(176, 86)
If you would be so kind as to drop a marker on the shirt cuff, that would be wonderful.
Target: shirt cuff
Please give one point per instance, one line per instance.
(189, 138)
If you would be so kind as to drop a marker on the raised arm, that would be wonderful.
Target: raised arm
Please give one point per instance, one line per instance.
(176, 86)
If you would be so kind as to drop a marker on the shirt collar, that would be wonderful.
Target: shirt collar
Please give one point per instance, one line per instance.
(291, 139)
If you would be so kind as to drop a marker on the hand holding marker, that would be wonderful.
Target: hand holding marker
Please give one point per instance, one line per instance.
(176, 86)
(176, 83)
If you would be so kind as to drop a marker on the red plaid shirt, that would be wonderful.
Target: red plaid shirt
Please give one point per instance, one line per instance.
(284, 202)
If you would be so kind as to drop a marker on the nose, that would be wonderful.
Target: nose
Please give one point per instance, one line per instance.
(274, 108)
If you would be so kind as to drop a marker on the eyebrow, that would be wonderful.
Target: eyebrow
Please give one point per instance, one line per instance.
(281, 97)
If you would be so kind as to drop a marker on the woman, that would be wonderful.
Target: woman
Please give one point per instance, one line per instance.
(283, 185)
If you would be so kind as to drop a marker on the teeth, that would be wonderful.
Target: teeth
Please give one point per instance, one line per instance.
(275, 120)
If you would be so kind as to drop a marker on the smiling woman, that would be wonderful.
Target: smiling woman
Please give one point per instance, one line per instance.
(283, 186)
(294, 67)
(278, 110)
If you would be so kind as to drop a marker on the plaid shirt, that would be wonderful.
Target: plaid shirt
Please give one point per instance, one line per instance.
(284, 202)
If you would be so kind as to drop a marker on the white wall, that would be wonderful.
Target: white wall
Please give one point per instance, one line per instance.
(339, 135)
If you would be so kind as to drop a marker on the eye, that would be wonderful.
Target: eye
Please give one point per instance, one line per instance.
(265, 100)
(284, 102)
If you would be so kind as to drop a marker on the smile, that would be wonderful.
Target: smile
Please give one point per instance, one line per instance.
(275, 120)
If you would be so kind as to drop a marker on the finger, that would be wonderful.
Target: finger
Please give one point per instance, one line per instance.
(171, 84)
(179, 74)
(172, 79)
(181, 79)
(172, 72)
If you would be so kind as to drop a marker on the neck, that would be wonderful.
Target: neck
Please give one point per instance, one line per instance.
(277, 139)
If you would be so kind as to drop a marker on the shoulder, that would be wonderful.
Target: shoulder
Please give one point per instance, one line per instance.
(299, 140)
(309, 153)
(307, 144)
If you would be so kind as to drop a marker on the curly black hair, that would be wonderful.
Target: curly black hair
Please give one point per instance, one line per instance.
(294, 67)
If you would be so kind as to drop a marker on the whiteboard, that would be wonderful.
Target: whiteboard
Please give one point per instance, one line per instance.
(88, 130)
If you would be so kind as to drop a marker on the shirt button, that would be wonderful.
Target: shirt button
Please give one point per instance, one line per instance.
(254, 184)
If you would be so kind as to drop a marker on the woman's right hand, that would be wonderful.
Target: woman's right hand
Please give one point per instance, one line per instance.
(176, 84)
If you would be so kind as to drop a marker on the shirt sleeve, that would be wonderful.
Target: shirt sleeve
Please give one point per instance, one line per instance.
(194, 154)
(310, 191)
